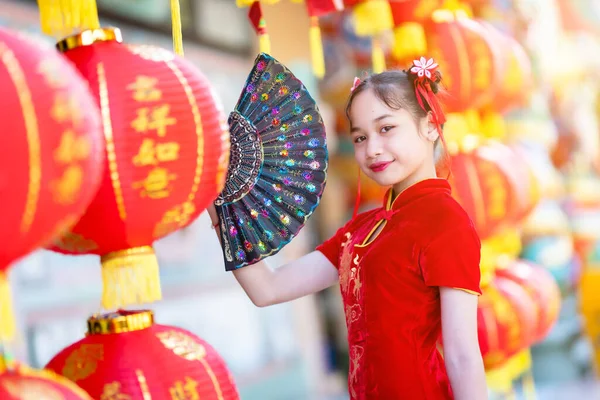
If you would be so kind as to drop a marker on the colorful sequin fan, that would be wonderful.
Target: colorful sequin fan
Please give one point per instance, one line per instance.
(277, 167)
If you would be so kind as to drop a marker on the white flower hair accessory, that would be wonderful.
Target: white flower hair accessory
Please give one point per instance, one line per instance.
(424, 67)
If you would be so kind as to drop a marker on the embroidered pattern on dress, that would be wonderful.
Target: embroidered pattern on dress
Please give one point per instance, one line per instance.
(356, 354)
(345, 263)
(352, 287)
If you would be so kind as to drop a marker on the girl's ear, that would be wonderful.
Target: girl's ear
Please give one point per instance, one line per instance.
(431, 132)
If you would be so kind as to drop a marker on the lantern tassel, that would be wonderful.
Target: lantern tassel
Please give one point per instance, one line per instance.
(60, 18)
(7, 318)
(373, 17)
(264, 43)
(176, 27)
(409, 41)
(259, 24)
(130, 277)
(377, 56)
(316, 48)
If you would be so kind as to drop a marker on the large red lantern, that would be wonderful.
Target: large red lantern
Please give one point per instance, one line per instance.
(22, 383)
(167, 149)
(125, 354)
(482, 188)
(50, 151)
(541, 286)
(467, 57)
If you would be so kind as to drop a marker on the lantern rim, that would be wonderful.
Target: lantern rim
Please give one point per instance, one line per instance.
(120, 321)
(89, 37)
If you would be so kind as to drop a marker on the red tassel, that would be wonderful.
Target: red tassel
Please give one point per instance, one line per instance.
(255, 16)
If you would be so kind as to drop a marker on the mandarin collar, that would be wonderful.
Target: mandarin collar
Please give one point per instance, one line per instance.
(415, 192)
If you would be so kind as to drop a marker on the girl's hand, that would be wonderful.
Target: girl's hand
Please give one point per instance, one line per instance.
(212, 212)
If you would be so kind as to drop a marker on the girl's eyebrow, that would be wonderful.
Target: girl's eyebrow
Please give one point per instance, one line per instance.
(381, 117)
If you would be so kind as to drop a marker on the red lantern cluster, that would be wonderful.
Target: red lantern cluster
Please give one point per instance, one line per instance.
(125, 355)
(23, 383)
(167, 149)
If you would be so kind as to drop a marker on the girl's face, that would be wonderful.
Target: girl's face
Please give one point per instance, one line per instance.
(389, 146)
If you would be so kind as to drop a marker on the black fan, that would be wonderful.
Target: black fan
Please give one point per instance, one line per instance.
(277, 167)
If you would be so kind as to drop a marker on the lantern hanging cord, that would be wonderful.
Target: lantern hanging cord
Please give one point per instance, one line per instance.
(176, 27)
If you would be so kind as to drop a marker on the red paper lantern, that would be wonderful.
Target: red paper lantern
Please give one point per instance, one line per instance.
(524, 186)
(125, 354)
(23, 383)
(497, 327)
(525, 309)
(482, 188)
(541, 286)
(50, 150)
(166, 154)
(467, 58)
(514, 67)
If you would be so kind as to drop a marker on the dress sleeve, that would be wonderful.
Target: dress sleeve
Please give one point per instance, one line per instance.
(452, 260)
(332, 247)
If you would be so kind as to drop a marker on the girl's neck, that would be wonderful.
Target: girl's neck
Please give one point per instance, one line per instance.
(417, 176)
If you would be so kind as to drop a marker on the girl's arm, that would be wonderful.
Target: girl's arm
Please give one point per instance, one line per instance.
(461, 346)
(266, 286)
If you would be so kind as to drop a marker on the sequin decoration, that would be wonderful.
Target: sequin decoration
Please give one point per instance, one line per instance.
(277, 168)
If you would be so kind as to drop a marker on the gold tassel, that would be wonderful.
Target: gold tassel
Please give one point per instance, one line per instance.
(409, 41)
(60, 18)
(377, 56)
(493, 125)
(316, 48)
(372, 17)
(264, 43)
(176, 27)
(130, 277)
(7, 319)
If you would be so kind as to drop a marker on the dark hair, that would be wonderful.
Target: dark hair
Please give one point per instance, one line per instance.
(397, 91)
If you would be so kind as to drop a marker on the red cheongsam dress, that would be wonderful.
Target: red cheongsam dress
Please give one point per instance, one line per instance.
(391, 262)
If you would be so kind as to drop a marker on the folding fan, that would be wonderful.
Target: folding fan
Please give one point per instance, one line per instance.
(277, 165)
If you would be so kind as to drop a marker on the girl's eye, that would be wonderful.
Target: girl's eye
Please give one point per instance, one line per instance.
(386, 128)
(359, 139)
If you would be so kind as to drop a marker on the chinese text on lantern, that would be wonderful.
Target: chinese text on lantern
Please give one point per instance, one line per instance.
(153, 151)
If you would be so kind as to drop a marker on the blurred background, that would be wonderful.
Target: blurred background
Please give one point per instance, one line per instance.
(523, 131)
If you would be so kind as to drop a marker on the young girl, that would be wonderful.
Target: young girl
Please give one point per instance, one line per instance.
(409, 270)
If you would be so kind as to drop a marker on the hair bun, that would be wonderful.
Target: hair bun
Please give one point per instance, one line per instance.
(436, 81)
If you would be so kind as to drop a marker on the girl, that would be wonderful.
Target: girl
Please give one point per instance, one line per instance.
(408, 270)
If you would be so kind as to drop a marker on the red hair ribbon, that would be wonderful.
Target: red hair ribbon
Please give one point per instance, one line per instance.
(425, 70)
(355, 84)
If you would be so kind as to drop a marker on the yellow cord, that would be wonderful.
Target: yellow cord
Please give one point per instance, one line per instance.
(176, 24)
